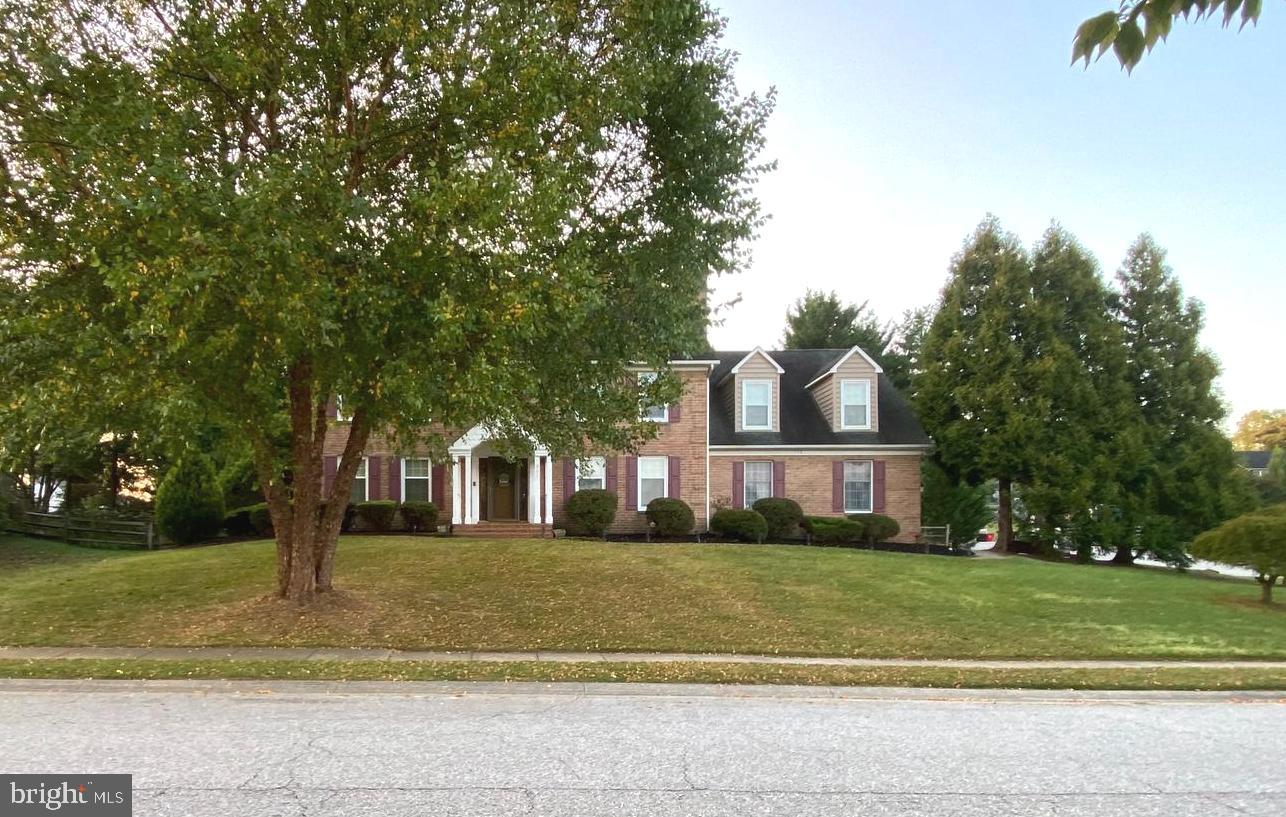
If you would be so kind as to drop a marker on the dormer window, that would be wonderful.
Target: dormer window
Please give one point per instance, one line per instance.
(756, 405)
(657, 414)
(855, 405)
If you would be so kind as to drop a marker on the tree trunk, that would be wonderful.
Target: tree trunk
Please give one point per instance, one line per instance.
(1266, 588)
(1124, 555)
(1004, 515)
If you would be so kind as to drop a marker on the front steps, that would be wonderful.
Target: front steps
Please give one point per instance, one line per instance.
(504, 530)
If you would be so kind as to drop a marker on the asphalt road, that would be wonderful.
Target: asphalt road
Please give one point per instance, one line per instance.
(254, 748)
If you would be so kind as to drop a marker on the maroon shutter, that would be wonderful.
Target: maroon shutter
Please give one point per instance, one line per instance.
(632, 483)
(395, 479)
(779, 478)
(674, 492)
(675, 412)
(738, 484)
(837, 486)
(373, 478)
(329, 466)
(877, 486)
(332, 408)
(439, 485)
(613, 484)
(569, 478)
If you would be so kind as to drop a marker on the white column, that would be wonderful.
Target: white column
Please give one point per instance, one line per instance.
(470, 476)
(457, 487)
(533, 489)
(549, 488)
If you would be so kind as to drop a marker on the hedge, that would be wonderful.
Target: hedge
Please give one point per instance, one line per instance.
(742, 525)
(782, 516)
(672, 517)
(420, 516)
(830, 530)
(591, 511)
(377, 514)
(876, 527)
(237, 522)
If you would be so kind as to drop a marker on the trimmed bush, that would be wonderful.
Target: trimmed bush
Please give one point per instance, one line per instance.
(830, 530)
(345, 523)
(591, 511)
(876, 527)
(189, 505)
(672, 517)
(420, 516)
(742, 525)
(261, 519)
(377, 515)
(782, 516)
(237, 522)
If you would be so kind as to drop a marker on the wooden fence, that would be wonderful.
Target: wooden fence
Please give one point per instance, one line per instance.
(90, 531)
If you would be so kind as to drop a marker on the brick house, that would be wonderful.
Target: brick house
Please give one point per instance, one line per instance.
(824, 427)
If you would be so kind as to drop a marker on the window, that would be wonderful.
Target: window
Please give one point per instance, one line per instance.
(857, 487)
(757, 482)
(657, 414)
(756, 405)
(855, 404)
(415, 480)
(341, 413)
(591, 473)
(358, 492)
(654, 476)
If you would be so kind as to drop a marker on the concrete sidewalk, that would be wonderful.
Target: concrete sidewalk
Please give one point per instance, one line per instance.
(354, 654)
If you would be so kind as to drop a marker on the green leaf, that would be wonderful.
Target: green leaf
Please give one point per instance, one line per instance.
(1129, 45)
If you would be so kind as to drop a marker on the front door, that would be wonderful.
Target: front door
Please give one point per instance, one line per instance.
(504, 489)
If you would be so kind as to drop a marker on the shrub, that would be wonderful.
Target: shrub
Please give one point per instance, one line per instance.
(346, 523)
(672, 517)
(261, 519)
(237, 522)
(876, 527)
(742, 525)
(830, 530)
(377, 514)
(782, 515)
(420, 516)
(189, 506)
(591, 511)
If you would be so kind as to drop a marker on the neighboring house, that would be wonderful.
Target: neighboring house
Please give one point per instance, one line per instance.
(824, 427)
(1256, 462)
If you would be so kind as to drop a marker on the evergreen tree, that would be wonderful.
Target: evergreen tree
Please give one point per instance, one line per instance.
(903, 359)
(820, 320)
(983, 398)
(189, 504)
(1188, 461)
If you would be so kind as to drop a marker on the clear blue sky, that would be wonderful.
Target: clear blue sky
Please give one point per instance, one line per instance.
(900, 125)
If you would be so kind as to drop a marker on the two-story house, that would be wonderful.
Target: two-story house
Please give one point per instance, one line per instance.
(824, 427)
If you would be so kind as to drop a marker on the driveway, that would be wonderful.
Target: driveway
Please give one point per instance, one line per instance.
(320, 749)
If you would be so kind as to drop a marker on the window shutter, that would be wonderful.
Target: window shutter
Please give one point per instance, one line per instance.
(373, 478)
(837, 486)
(439, 485)
(738, 484)
(675, 412)
(632, 482)
(613, 484)
(674, 492)
(395, 479)
(329, 466)
(779, 478)
(877, 486)
(332, 408)
(569, 478)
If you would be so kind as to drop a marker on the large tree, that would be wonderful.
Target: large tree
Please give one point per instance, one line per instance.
(1182, 489)
(446, 212)
(1261, 430)
(982, 396)
(820, 320)
(1135, 26)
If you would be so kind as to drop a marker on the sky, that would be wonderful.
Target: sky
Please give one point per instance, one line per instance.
(900, 126)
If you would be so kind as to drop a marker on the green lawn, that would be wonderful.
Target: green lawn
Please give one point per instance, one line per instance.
(568, 595)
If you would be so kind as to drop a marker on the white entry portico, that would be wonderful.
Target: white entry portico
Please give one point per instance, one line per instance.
(469, 496)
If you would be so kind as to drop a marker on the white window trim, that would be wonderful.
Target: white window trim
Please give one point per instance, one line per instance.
(366, 480)
(843, 426)
(745, 385)
(340, 415)
(843, 487)
(638, 478)
(598, 465)
(428, 478)
(745, 498)
(665, 409)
